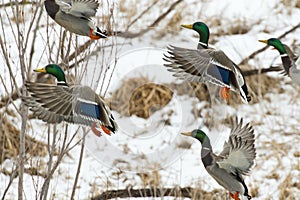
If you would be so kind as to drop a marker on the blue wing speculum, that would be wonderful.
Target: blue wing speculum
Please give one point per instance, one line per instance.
(219, 73)
(88, 109)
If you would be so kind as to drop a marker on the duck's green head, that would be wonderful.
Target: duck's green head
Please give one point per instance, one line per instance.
(54, 70)
(198, 134)
(276, 44)
(200, 28)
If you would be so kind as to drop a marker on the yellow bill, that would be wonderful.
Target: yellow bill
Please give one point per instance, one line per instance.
(263, 41)
(42, 70)
(188, 26)
(187, 133)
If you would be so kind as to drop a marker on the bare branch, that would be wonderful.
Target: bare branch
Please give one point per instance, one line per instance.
(34, 38)
(261, 71)
(142, 13)
(80, 50)
(24, 111)
(51, 149)
(64, 150)
(128, 34)
(78, 167)
(12, 176)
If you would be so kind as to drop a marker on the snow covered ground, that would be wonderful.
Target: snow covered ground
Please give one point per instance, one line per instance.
(153, 146)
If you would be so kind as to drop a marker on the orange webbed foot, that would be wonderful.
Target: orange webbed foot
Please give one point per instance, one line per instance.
(235, 196)
(95, 131)
(106, 130)
(92, 36)
(224, 93)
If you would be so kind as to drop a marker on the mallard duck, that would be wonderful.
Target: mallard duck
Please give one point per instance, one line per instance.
(74, 104)
(206, 64)
(290, 61)
(235, 160)
(75, 16)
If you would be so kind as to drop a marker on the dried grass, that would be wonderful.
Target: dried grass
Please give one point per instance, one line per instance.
(297, 5)
(10, 142)
(172, 26)
(286, 3)
(286, 189)
(160, 191)
(239, 26)
(254, 190)
(149, 98)
(152, 180)
(192, 89)
(141, 97)
(297, 154)
(273, 176)
(289, 5)
(123, 7)
(258, 86)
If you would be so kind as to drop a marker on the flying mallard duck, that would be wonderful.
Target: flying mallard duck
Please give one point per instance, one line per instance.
(235, 160)
(74, 104)
(290, 61)
(206, 64)
(75, 16)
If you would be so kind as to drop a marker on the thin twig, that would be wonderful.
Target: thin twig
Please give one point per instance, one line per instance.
(34, 37)
(65, 149)
(128, 34)
(142, 13)
(78, 167)
(24, 111)
(6, 53)
(9, 98)
(13, 175)
(78, 51)
(51, 150)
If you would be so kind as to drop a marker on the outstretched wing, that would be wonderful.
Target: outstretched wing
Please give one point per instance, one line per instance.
(200, 65)
(49, 103)
(79, 8)
(53, 104)
(238, 153)
(76, 104)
